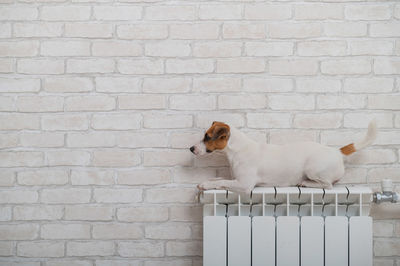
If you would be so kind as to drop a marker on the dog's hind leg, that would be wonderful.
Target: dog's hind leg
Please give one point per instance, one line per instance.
(231, 185)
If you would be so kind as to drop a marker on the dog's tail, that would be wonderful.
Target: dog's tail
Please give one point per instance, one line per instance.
(368, 140)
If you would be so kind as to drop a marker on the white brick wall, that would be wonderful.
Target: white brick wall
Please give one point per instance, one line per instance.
(100, 100)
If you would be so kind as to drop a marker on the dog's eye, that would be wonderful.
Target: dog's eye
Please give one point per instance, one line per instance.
(206, 137)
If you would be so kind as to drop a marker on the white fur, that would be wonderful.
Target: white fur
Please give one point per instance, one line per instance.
(307, 164)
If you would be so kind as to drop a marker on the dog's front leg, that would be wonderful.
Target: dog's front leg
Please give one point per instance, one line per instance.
(231, 185)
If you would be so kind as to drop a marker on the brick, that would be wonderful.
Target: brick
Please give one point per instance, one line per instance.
(90, 248)
(241, 65)
(91, 139)
(340, 102)
(88, 30)
(117, 231)
(39, 249)
(5, 30)
(267, 12)
(250, 101)
(140, 66)
(19, 231)
(181, 66)
(119, 262)
(142, 249)
(117, 12)
(176, 248)
(167, 158)
(166, 85)
(40, 66)
(21, 158)
(375, 47)
(182, 12)
(18, 13)
(388, 138)
(116, 121)
(65, 231)
(255, 84)
(5, 213)
(170, 195)
(65, 122)
(104, 195)
(9, 140)
(375, 156)
(40, 103)
(186, 213)
(205, 120)
(41, 212)
(92, 177)
(286, 136)
(220, 12)
(68, 13)
(269, 48)
(362, 119)
(19, 49)
(159, 120)
(65, 48)
(169, 263)
(323, 120)
(225, 84)
(18, 196)
(384, 102)
(143, 214)
(69, 84)
(142, 140)
(318, 85)
(387, 66)
(142, 31)
(7, 65)
(190, 175)
(143, 177)
(384, 229)
(42, 29)
(217, 49)
(142, 101)
(291, 102)
(65, 195)
(97, 65)
(386, 247)
(88, 213)
(6, 248)
(203, 31)
(367, 12)
(354, 175)
(368, 85)
(346, 66)
(67, 158)
(318, 11)
(19, 85)
(339, 138)
(168, 48)
(294, 30)
(19, 121)
(268, 120)
(68, 262)
(345, 29)
(293, 67)
(116, 48)
(90, 103)
(217, 160)
(117, 84)
(319, 48)
(192, 102)
(243, 30)
(116, 158)
(396, 12)
(184, 140)
(42, 177)
(168, 231)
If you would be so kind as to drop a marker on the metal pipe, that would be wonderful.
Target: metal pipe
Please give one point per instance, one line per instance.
(387, 194)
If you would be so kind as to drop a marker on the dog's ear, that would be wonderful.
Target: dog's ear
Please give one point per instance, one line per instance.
(221, 132)
(214, 122)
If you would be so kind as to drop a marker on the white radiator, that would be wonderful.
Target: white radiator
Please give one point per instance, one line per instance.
(288, 227)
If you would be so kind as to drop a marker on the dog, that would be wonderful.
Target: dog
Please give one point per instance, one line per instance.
(306, 164)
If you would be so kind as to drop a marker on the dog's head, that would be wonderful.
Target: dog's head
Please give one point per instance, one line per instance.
(215, 138)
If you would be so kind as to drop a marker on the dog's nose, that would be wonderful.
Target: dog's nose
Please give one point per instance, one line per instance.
(192, 149)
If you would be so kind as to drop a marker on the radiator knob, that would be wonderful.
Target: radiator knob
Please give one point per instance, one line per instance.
(387, 185)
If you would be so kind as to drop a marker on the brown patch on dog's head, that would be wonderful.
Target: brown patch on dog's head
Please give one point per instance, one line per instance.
(217, 136)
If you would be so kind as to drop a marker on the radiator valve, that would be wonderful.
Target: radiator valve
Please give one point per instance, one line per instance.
(387, 194)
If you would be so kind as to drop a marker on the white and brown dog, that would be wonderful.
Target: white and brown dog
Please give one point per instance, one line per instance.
(308, 164)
